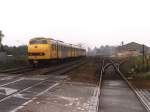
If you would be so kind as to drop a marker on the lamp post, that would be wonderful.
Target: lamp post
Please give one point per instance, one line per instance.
(1, 36)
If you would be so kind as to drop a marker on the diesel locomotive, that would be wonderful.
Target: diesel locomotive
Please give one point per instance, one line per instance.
(42, 49)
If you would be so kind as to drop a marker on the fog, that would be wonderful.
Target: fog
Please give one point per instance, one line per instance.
(89, 22)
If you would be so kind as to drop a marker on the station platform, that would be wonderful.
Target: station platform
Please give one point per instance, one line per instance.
(116, 96)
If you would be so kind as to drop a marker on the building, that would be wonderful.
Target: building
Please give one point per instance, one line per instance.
(131, 49)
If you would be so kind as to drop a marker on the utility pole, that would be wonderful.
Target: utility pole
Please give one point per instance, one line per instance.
(122, 43)
(143, 52)
(147, 66)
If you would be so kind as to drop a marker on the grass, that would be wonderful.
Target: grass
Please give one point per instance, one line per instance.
(146, 75)
(137, 64)
(135, 67)
(142, 75)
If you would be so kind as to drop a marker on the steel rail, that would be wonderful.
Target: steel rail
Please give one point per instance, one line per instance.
(102, 71)
(14, 69)
(52, 70)
(100, 84)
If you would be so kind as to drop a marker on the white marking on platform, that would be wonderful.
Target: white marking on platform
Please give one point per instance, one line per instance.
(7, 78)
(20, 96)
(20, 107)
(7, 91)
(12, 82)
(94, 100)
(35, 78)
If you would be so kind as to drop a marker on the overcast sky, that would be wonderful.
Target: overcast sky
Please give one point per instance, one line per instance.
(90, 22)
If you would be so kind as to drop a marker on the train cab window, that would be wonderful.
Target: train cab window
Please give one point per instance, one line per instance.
(35, 41)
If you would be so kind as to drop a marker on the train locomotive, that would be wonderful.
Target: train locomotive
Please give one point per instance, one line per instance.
(42, 49)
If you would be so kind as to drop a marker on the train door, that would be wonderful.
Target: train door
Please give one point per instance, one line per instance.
(59, 51)
(71, 51)
(69, 55)
(50, 49)
(53, 51)
(68, 51)
(63, 51)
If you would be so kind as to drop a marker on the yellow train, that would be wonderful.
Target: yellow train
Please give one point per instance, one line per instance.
(47, 49)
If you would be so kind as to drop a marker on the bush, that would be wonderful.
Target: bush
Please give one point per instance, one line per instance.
(13, 62)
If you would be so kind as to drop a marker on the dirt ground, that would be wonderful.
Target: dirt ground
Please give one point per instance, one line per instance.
(85, 74)
(140, 83)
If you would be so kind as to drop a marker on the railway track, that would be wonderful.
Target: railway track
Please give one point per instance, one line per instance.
(14, 69)
(12, 78)
(30, 69)
(115, 91)
(14, 94)
(113, 94)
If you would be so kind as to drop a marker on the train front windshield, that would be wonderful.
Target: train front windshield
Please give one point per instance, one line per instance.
(38, 42)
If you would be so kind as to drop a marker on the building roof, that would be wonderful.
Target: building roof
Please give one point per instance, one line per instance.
(133, 46)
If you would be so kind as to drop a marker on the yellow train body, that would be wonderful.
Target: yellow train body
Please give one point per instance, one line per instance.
(40, 49)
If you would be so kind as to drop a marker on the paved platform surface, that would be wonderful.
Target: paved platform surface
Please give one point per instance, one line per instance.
(66, 97)
(117, 97)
